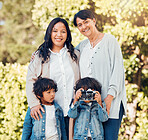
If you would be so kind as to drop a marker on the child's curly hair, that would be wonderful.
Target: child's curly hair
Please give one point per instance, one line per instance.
(43, 84)
(88, 83)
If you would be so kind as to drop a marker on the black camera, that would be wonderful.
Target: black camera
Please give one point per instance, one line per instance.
(87, 95)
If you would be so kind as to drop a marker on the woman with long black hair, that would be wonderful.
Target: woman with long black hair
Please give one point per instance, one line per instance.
(57, 59)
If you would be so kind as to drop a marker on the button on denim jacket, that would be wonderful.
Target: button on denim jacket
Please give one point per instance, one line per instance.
(35, 130)
(88, 117)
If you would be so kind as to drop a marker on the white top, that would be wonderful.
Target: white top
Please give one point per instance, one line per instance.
(50, 128)
(62, 72)
(85, 64)
(106, 65)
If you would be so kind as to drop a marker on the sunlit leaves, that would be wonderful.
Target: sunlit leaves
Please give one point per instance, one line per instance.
(19, 37)
(44, 11)
(136, 115)
(13, 103)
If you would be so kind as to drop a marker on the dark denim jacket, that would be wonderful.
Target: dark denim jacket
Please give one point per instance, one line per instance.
(88, 117)
(35, 130)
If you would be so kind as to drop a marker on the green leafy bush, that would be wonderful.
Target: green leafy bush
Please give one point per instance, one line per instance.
(135, 125)
(13, 103)
(13, 106)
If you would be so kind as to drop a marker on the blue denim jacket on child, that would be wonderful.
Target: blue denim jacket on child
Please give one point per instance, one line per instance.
(88, 117)
(35, 130)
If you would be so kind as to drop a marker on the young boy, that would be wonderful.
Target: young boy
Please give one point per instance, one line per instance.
(51, 126)
(88, 114)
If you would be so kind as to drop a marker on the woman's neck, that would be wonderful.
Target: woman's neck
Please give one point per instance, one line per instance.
(96, 38)
(56, 49)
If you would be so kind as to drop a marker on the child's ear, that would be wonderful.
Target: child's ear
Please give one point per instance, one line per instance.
(38, 96)
(94, 20)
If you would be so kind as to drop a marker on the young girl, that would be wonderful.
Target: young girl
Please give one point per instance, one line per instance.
(88, 115)
(51, 126)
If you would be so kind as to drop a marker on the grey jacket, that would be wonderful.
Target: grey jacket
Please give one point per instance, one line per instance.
(107, 67)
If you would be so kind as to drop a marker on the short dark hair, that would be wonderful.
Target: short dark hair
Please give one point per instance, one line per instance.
(43, 84)
(88, 83)
(83, 14)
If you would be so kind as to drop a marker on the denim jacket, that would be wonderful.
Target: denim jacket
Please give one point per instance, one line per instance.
(35, 130)
(88, 117)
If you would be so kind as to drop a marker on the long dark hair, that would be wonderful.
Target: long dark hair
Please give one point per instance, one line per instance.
(44, 48)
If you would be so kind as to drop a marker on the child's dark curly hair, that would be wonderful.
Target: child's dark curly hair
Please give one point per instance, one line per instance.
(88, 83)
(43, 84)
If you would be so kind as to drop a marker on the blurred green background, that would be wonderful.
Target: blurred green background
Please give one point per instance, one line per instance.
(22, 27)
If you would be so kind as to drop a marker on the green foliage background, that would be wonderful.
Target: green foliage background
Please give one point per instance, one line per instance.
(22, 31)
(13, 102)
(13, 105)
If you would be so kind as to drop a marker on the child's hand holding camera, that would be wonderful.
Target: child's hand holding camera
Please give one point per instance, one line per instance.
(78, 95)
(98, 98)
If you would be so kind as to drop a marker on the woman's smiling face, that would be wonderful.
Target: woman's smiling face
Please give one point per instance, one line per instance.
(86, 27)
(58, 35)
